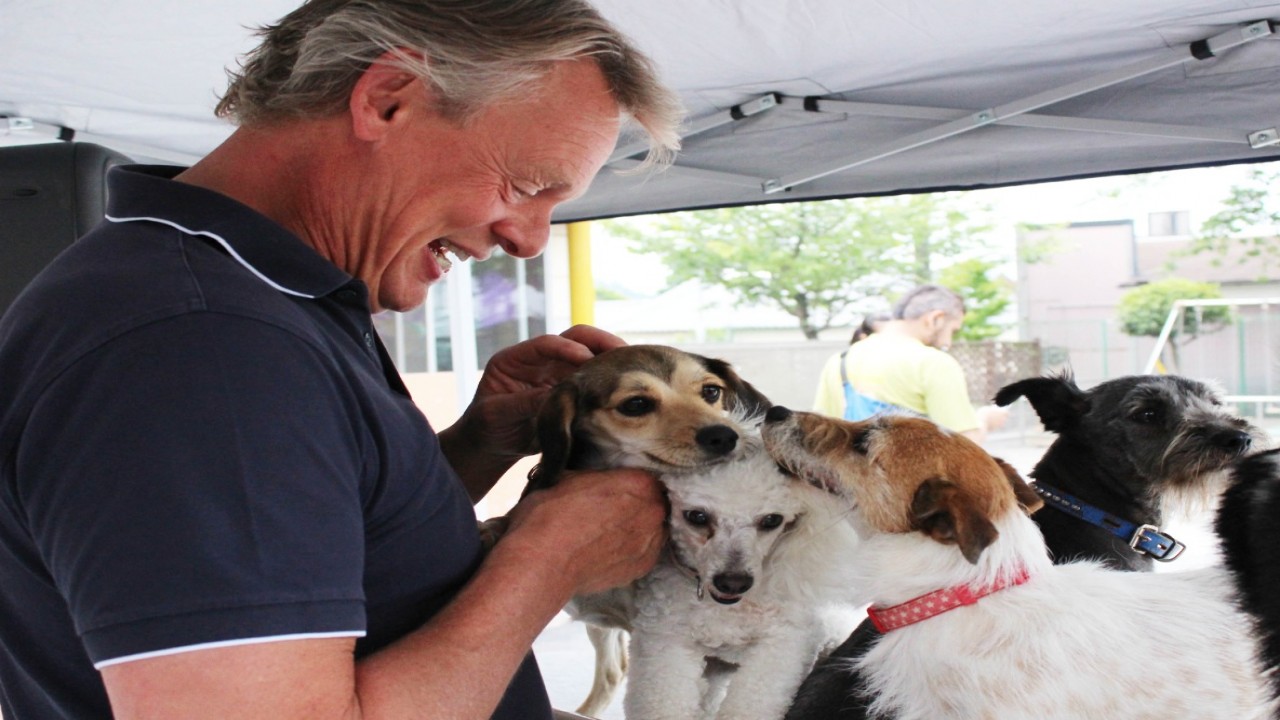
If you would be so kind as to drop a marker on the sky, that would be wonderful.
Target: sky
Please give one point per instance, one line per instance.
(1199, 191)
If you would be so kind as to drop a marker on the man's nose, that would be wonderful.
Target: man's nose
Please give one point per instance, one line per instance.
(525, 235)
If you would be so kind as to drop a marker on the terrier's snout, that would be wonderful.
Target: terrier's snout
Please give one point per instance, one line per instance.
(777, 413)
(1233, 441)
(717, 439)
(733, 583)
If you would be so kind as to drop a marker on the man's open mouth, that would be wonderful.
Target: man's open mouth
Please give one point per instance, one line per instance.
(442, 249)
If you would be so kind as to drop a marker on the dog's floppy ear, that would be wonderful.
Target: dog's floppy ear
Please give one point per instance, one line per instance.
(1057, 400)
(1029, 500)
(555, 436)
(743, 399)
(946, 514)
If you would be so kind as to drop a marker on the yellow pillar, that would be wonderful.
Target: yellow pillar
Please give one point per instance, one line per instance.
(582, 286)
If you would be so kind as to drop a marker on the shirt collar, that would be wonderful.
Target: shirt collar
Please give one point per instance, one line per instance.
(148, 193)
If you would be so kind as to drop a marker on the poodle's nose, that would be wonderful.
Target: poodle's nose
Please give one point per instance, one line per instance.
(777, 413)
(733, 583)
(717, 439)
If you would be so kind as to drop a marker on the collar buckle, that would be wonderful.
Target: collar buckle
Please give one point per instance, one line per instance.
(1148, 539)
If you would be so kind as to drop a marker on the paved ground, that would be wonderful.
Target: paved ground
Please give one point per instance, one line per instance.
(567, 659)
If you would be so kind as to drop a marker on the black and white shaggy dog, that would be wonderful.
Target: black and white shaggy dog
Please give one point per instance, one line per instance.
(1248, 525)
(1127, 451)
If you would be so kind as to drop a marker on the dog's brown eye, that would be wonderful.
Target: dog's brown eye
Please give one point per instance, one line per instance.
(711, 393)
(636, 406)
(697, 518)
(770, 522)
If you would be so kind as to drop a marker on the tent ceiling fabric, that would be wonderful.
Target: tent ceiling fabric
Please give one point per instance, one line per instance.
(903, 88)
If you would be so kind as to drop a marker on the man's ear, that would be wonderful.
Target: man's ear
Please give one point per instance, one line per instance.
(381, 93)
(944, 513)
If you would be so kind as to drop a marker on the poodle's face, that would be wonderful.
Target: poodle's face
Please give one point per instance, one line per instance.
(727, 521)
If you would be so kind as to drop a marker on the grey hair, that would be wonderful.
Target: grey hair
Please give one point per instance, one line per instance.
(471, 53)
(924, 299)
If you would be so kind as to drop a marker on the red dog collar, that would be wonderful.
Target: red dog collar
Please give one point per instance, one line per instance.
(937, 602)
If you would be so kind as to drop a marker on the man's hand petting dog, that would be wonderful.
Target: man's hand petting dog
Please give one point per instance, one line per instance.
(607, 526)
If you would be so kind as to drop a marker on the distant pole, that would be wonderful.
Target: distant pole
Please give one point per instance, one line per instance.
(582, 286)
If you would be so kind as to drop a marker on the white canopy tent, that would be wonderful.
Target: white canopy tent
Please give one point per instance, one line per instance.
(787, 99)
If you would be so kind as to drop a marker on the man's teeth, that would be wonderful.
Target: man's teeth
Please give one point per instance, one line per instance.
(442, 251)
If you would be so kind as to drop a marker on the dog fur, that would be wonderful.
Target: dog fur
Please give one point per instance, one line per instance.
(642, 406)
(1248, 526)
(1134, 447)
(1076, 641)
(750, 593)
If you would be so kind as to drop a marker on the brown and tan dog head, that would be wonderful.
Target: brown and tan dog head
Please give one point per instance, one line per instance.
(646, 406)
(903, 474)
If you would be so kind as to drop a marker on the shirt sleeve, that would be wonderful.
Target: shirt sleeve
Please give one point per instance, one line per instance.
(197, 481)
(946, 394)
(829, 399)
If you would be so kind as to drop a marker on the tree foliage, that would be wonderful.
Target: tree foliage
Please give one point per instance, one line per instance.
(1246, 224)
(821, 262)
(1144, 310)
(985, 297)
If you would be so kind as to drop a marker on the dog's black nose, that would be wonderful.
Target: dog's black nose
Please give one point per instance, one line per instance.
(734, 583)
(777, 413)
(1233, 441)
(718, 439)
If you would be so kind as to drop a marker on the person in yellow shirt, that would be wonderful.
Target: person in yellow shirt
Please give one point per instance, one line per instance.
(904, 366)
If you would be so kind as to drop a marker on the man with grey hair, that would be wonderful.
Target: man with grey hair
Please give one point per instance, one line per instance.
(218, 499)
(904, 366)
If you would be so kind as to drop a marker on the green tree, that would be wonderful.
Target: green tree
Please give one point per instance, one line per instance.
(1246, 224)
(820, 262)
(1144, 310)
(985, 297)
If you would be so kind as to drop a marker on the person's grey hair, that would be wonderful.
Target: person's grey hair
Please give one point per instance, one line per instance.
(472, 53)
(925, 299)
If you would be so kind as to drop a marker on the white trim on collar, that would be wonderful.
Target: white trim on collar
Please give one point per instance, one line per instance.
(225, 246)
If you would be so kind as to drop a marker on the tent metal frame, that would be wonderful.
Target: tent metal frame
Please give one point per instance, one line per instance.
(1019, 113)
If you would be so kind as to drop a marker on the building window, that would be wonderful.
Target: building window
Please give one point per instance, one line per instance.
(508, 298)
(509, 301)
(1163, 224)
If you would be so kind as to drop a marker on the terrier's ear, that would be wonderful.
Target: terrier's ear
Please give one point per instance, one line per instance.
(1057, 400)
(742, 397)
(555, 436)
(946, 514)
(1029, 500)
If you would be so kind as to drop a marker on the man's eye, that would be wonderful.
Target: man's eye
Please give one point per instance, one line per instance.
(525, 191)
(712, 393)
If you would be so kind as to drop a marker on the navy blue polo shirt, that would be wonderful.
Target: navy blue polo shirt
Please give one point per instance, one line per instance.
(203, 443)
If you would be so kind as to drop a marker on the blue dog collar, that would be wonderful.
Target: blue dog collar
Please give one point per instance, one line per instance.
(1145, 539)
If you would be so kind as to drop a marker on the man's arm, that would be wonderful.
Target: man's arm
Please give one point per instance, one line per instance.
(458, 665)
